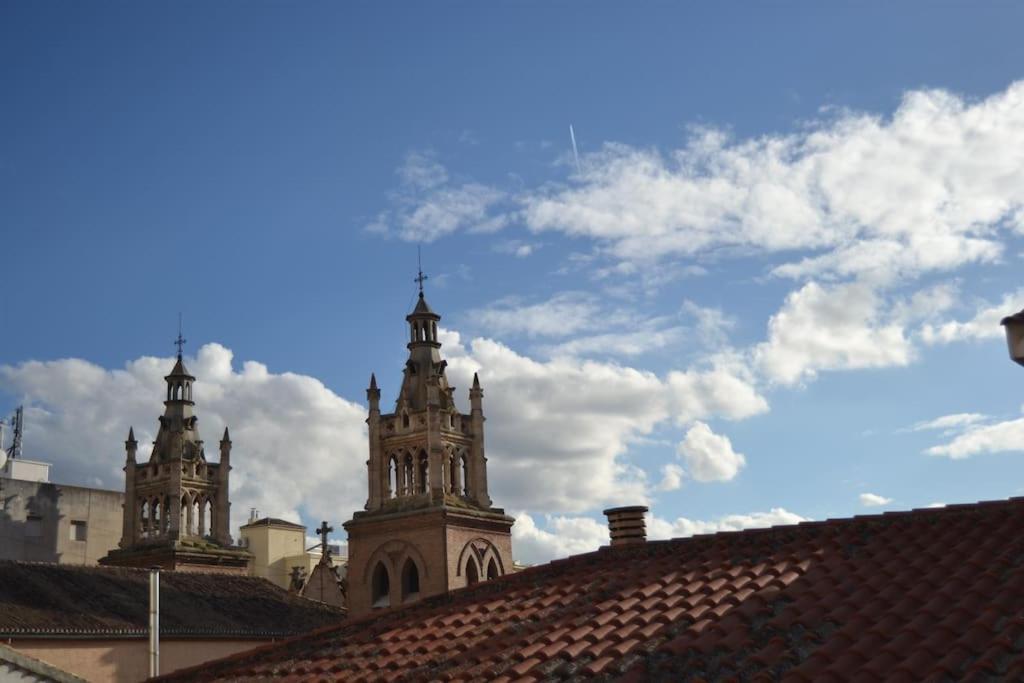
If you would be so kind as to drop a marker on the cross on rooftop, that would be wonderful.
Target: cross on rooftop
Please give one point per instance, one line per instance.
(323, 531)
(180, 341)
(421, 278)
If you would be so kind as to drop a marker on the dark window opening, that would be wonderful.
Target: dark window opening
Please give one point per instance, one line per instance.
(410, 580)
(381, 588)
(472, 575)
(492, 570)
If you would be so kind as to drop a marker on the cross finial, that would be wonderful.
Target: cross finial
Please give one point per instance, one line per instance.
(323, 531)
(180, 341)
(421, 278)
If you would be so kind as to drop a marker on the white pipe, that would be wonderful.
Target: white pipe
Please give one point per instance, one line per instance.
(154, 621)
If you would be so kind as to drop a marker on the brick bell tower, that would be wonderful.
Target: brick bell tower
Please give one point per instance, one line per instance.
(428, 526)
(176, 509)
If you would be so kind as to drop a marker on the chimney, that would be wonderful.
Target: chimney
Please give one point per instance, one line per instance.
(626, 524)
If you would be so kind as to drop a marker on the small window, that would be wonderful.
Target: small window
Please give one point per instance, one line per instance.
(33, 526)
(472, 574)
(492, 570)
(381, 586)
(410, 581)
(78, 530)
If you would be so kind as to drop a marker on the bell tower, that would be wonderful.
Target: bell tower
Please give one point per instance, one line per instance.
(176, 509)
(428, 525)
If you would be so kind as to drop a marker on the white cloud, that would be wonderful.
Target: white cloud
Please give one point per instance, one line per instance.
(428, 205)
(948, 422)
(925, 189)
(830, 328)
(726, 390)
(568, 536)
(571, 419)
(660, 529)
(517, 248)
(990, 438)
(623, 343)
(671, 477)
(574, 535)
(287, 429)
(709, 456)
(873, 500)
(984, 324)
(562, 315)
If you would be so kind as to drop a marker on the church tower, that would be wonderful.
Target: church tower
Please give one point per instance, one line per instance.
(428, 526)
(176, 509)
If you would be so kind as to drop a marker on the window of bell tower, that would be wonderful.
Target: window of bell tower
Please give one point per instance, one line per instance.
(381, 586)
(410, 580)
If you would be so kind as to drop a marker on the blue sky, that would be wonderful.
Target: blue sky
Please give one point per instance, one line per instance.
(783, 254)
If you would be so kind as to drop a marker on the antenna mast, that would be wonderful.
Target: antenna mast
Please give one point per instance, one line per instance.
(17, 425)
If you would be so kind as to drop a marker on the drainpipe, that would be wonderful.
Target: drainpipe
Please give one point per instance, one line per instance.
(154, 621)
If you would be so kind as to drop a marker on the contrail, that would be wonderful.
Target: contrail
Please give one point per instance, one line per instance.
(575, 151)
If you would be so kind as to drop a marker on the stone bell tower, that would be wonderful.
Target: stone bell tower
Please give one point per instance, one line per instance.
(176, 509)
(428, 526)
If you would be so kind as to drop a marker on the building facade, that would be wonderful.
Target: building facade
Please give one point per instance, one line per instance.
(45, 522)
(428, 525)
(176, 509)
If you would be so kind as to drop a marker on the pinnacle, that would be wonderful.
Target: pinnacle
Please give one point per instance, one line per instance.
(227, 436)
(373, 381)
(131, 433)
(476, 381)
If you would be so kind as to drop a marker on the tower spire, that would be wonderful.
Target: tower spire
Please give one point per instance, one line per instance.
(420, 277)
(180, 341)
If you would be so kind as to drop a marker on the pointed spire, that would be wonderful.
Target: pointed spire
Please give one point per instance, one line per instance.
(227, 437)
(131, 435)
(476, 381)
(373, 382)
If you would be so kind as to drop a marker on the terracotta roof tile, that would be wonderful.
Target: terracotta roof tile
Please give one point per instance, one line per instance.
(917, 596)
(44, 600)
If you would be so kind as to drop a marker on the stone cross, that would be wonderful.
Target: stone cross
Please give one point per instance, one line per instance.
(421, 278)
(180, 341)
(323, 531)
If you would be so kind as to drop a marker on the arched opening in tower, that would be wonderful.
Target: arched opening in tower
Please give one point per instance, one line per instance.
(380, 590)
(410, 580)
(472, 573)
(492, 570)
(423, 471)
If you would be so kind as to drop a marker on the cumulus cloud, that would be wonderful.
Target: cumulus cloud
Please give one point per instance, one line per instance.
(428, 205)
(873, 500)
(562, 315)
(533, 405)
(659, 529)
(983, 438)
(574, 535)
(709, 456)
(671, 477)
(875, 197)
(567, 536)
(288, 429)
(831, 328)
(983, 325)
(725, 389)
(949, 422)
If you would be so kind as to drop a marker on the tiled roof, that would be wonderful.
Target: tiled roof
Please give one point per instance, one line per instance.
(926, 595)
(49, 600)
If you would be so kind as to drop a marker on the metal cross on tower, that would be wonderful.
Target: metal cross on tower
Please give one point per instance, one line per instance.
(421, 278)
(180, 341)
(323, 531)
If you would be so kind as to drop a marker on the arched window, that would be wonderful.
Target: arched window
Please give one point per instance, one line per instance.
(156, 515)
(207, 518)
(194, 522)
(405, 420)
(472, 573)
(410, 581)
(183, 522)
(424, 470)
(188, 390)
(492, 570)
(407, 475)
(465, 475)
(392, 477)
(166, 515)
(433, 326)
(144, 519)
(453, 474)
(381, 586)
